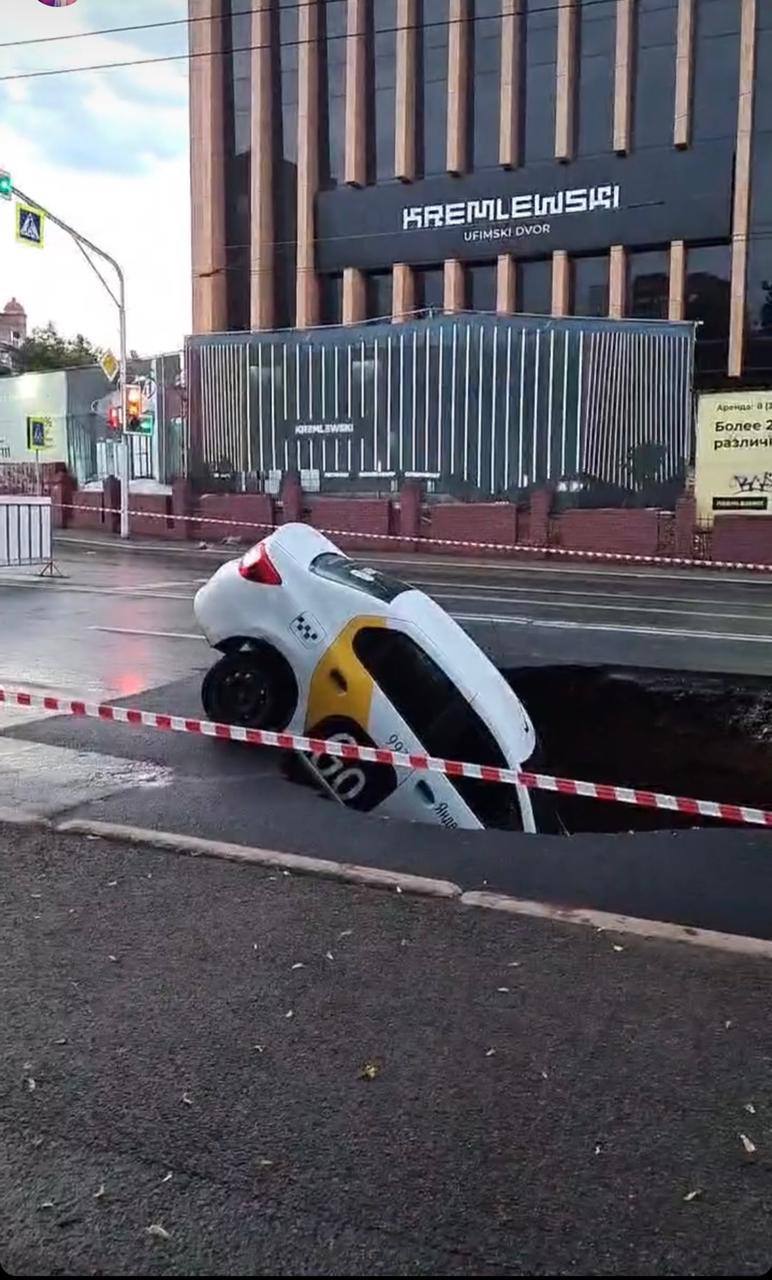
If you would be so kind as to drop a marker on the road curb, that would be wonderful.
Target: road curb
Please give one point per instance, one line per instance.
(196, 846)
(606, 921)
(21, 818)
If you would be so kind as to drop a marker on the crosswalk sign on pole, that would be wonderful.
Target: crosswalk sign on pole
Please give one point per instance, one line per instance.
(30, 225)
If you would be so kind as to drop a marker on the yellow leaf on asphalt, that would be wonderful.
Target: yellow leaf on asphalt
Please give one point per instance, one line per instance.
(369, 1071)
(160, 1233)
(693, 1195)
(750, 1147)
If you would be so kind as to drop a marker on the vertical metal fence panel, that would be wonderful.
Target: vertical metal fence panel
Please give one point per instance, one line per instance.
(478, 405)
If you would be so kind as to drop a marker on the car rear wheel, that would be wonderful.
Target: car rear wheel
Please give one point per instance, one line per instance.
(254, 688)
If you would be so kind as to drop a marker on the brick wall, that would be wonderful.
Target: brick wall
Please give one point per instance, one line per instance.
(746, 538)
(351, 515)
(473, 522)
(21, 477)
(252, 515)
(633, 531)
(149, 525)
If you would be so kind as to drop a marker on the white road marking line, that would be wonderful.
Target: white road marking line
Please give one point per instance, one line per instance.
(431, 588)
(613, 608)
(580, 570)
(160, 586)
(161, 635)
(59, 588)
(677, 633)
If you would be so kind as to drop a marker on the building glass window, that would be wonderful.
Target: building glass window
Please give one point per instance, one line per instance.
(485, 83)
(595, 87)
(589, 286)
(534, 287)
(706, 299)
(429, 288)
(481, 286)
(648, 284)
(378, 295)
(332, 31)
(285, 189)
(540, 32)
(382, 90)
(716, 69)
(237, 124)
(655, 67)
(433, 81)
(331, 299)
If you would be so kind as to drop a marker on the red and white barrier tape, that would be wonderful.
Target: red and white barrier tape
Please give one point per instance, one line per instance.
(401, 760)
(512, 548)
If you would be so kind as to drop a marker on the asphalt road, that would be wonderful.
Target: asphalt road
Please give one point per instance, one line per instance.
(546, 1100)
(120, 627)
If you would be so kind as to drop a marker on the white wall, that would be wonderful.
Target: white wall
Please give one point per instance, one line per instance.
(30, 394)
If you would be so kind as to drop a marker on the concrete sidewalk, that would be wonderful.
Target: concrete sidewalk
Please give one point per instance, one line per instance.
(185, 1088)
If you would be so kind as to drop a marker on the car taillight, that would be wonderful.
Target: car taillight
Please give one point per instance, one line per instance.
(256, 566)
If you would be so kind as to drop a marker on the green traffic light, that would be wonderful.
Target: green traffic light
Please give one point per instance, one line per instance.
(6, 186)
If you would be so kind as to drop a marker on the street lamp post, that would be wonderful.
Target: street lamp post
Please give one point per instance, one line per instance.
(120, 301)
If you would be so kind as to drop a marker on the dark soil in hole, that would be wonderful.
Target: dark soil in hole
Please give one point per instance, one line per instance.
(700, 735)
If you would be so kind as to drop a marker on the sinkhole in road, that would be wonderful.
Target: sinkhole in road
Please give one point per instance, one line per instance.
(706, 736)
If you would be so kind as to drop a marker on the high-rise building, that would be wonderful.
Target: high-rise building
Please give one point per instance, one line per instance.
(359, 158)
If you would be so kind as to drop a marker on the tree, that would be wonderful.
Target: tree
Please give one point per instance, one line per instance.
(45, 348)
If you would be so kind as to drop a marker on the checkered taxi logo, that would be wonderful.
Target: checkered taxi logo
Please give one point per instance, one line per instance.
(308, 629)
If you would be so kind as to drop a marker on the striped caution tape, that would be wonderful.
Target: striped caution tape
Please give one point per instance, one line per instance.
(512, 548)
(401, 760)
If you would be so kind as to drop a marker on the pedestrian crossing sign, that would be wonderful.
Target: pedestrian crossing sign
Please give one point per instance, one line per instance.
(30, 225)
(40, 433)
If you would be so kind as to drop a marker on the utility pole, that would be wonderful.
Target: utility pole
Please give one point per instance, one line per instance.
(120, 301)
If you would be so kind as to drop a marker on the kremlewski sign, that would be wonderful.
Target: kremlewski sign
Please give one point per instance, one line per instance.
(733, 468)
(647, 198)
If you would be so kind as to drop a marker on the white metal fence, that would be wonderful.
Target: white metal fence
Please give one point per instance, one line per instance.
(25, 531)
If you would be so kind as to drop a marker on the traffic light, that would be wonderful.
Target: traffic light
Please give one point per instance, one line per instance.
(133, 407)
(6, 186)
(114, 418)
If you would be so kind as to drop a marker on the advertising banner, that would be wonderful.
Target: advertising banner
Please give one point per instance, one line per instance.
(733, 470)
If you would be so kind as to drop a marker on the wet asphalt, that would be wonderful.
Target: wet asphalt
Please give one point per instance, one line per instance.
(119, 627)
(207, 1069)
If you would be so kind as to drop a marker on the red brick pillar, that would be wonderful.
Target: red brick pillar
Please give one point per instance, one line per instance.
(62, 498)
(685, 524)
(291, 497)
(183, 507)
(410, 510)
(541, 505)
(111, 488)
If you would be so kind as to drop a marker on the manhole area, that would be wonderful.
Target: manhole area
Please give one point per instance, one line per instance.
(704, 736)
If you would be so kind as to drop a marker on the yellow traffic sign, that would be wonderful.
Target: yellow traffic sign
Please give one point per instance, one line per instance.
(110, 366)
(30, 225)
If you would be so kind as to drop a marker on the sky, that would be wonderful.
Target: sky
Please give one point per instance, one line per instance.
(107, 151)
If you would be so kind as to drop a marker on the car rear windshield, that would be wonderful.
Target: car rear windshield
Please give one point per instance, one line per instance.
(440, 716)
(352, 573)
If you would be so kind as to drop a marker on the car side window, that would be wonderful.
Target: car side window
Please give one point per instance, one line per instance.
(352, 573)
(439, 715)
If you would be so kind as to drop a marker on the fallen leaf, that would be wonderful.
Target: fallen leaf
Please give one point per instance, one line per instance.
(369, 1071)
(259, 1047)
(31, 1084)
(265, 1164)
(254, 946)
(693, 1195)
(749, 1107)
(489, 1053)
(728, 1023)
(514, 964)
(285, 873)
(100, 1192)
(403, 942)
(299, 965)
(598, 1148)
(61, 1040)
(290, 1013)
(187, 1100)
(111, 884)
(617, 947)
(160, 1233)
(167, 1177)
(328, 955)
(398, 887)
(36, 895)
(46, 1204)
(544, 1075)
(750, 1147)
(38, 1142)
(502, 988)
(345, 933)
(113, 958)
(92, 837)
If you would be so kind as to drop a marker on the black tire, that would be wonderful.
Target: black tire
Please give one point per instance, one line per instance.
(254, 688)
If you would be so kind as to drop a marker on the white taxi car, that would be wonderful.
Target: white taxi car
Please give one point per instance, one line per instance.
(316, 643)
